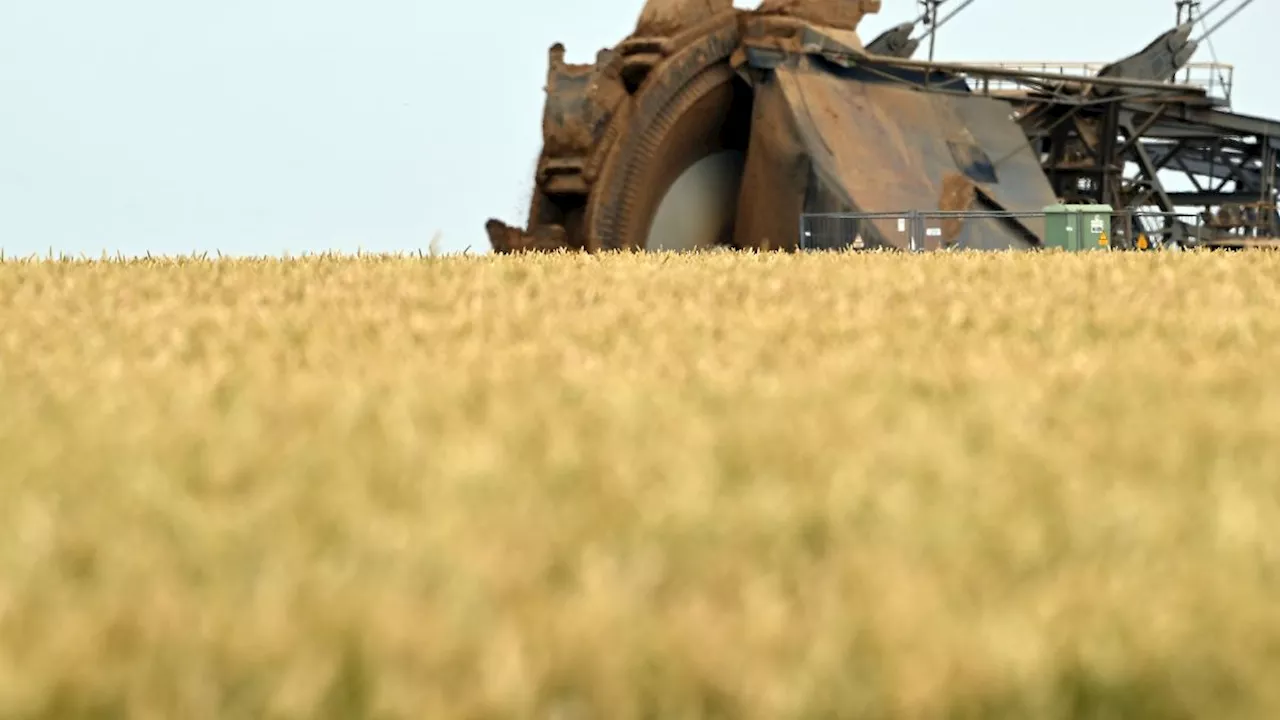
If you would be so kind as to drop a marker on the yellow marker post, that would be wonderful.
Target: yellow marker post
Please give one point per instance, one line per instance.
(1102, 240)
(1143, 242)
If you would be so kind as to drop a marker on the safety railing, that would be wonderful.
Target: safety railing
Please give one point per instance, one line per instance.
(1217, 80)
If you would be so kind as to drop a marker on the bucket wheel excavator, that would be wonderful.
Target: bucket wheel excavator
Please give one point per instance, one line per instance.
(711, 126)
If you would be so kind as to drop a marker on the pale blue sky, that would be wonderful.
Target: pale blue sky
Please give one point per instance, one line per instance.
(265, 126)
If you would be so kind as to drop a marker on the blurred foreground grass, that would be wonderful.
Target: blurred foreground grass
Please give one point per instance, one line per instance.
(641, 487)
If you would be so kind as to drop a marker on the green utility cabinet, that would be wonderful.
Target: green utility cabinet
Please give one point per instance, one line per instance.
(1078, 227)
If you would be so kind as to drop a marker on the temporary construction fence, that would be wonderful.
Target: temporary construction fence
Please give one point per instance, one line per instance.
(917, 231)
(1069, 227)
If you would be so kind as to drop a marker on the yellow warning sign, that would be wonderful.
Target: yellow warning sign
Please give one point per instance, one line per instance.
(1143, 242)
(1102, 239)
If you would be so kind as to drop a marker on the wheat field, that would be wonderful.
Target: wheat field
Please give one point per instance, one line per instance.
(628, 487)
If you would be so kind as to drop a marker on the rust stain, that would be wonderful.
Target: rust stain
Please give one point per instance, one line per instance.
(958, 194)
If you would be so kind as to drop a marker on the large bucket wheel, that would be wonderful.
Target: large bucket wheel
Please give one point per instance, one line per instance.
(671, 180)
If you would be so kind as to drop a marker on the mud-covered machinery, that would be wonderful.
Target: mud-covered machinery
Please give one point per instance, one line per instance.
(715, 126)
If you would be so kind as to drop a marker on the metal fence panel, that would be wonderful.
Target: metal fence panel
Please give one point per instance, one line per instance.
(974, 229)
(859, 231)
(921, 231)
(910, 231)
